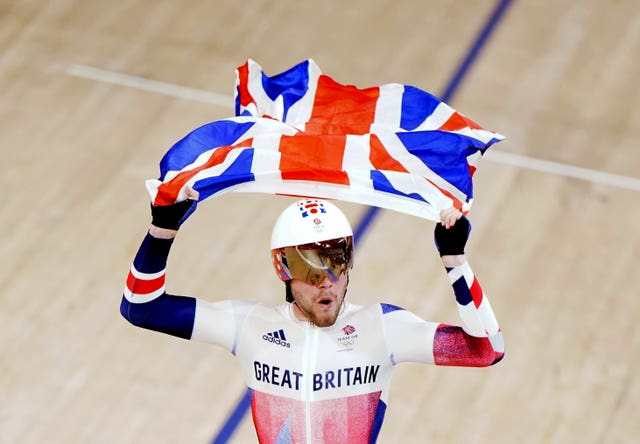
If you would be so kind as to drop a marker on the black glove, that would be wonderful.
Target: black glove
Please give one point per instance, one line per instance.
(453, 240)
(172, 216)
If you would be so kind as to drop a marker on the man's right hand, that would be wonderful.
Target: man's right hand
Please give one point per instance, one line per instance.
(170, 217)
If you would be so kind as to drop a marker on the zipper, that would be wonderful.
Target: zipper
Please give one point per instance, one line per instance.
(309, 357)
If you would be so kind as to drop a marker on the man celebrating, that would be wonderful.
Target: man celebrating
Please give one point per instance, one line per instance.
(318, 367)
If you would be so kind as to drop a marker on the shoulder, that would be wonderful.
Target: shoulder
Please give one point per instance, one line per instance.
(235, 305)
(261, 309)
(380, 308)
(388, 308)
(373, 310)
(236, 308)
(391, 313)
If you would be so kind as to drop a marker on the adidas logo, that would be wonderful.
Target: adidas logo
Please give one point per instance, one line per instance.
(277, 337)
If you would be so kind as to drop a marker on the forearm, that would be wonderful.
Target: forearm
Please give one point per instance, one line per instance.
(476, 315)
(478, 341)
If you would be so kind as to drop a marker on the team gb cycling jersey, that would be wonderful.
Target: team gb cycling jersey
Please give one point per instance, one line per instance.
(310, 384)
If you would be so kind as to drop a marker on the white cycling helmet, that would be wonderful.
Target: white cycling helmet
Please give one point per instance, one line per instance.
(311, 239)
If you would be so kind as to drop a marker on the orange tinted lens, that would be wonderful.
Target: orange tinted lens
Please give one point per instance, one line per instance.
(313, 262)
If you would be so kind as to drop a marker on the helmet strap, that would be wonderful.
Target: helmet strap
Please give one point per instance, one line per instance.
(288, 293)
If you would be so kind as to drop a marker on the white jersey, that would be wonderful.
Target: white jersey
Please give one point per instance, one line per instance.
(313, 384)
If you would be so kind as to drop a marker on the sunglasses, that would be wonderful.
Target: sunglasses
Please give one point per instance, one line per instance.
(313, 262)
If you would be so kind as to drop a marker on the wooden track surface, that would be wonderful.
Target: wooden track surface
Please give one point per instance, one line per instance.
(557, 255)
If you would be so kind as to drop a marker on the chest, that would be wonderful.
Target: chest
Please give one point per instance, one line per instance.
(302, 360)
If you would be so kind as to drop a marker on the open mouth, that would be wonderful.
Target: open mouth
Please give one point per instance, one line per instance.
(325, 301)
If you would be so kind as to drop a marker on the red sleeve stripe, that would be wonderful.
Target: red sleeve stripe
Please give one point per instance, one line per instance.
(140, 286)
(476, 292)
(143, 287)
(145, 276)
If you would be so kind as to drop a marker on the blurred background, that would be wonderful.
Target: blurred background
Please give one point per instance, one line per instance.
(92, 93)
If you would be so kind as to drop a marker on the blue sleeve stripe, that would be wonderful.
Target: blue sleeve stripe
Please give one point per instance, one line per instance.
(462, 291)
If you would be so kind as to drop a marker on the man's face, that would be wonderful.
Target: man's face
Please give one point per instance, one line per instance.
(319, 304)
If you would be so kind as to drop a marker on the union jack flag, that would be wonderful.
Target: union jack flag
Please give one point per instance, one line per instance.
(302, 133)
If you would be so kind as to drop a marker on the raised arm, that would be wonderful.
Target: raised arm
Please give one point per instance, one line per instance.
(146, 303)
(478, 340)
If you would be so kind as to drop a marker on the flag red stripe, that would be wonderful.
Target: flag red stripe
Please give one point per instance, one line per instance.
(315, 158)
(380, 157)
(243, 86)
(168, 191)
(457, 122)
(342, 109)
(457, 204)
